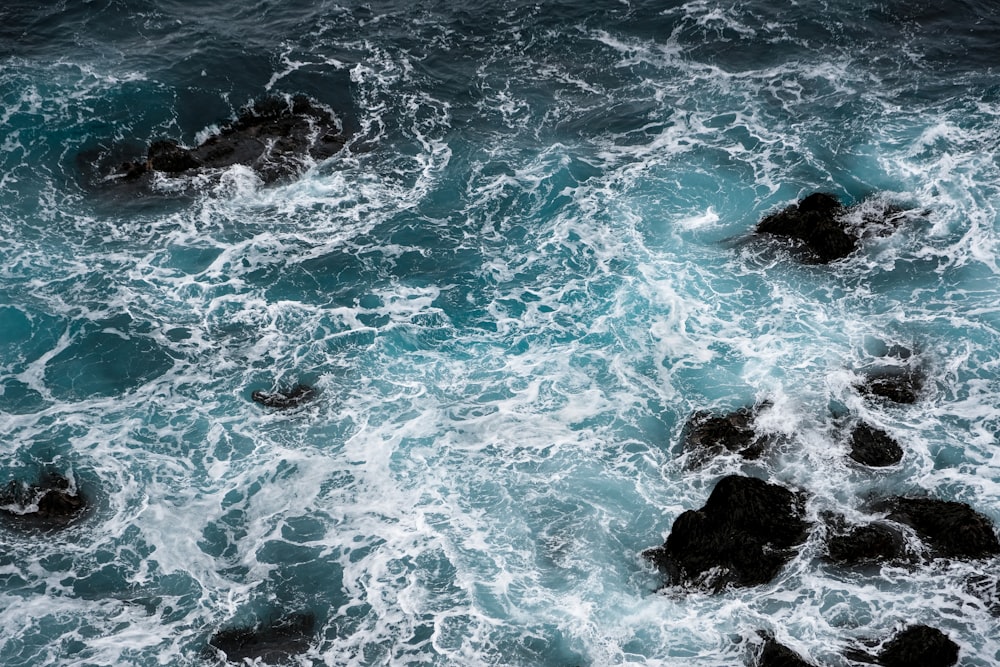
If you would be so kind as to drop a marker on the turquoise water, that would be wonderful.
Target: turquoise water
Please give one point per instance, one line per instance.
(531, 263)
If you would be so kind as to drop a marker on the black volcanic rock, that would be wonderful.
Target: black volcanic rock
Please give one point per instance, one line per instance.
(778, 655)
(288, 398)
(919, 646)
(745, 533)
(271, 643)
(50, 504)
(898, 386)
(871, 544)
(950, 529)
(274, 136)
(871, 446)
(707, 435)
(817, 221)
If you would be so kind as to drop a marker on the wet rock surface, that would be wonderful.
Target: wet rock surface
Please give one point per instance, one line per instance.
(51, 503)
(778, 655)
(284, 399)
(871, 446)
(817, 221)
(916, 646)
(275, 137)
(271, 643)
(870, 544)
(950, 529)
(744, 534)
(707, 435)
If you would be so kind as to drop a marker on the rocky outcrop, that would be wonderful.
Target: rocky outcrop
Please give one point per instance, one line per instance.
(774, 654)
(708, 435)
(272, 643)
(282, 400)
(746, 532)
(275, 137)
(916, 646)
(871, 544)
(871, 446)
(899, 385)
(949, 529)
(51, 503)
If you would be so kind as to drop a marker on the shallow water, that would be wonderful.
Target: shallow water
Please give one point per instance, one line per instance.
(532, 262)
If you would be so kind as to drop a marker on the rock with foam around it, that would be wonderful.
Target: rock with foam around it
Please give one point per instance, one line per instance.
(284, 399)
(950, 529)
(273, 643)
(51, 503)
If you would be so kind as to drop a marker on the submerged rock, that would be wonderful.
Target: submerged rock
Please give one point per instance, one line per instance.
(871, 446)
(274, 136)
(282, 400)
(50, 504)
(777, 655)
(916, 646)
(950, 529)
(871, 544)
(743, 536)
(274, 642)
(707, 435)
(817, 221)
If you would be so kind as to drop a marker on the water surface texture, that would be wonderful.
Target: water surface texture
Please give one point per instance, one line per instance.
(531, 263)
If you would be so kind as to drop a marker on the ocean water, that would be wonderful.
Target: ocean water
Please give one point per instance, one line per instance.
(533, 260)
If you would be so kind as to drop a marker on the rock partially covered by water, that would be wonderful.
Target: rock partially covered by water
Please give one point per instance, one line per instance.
(276, 642)
(871, 544)
(778, 655)
(950, 529)
(871, 446)
(284, 399)
(708, 435)
(275, 137)
(919, 645)
(52, 503)
(743, 536)
(817, 221)
(899, 385)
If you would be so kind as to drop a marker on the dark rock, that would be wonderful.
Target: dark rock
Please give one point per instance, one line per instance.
(875, 543)
(897, 385)
(706, 435)
(871, 446)
(951, 529)
(274, 137)
(50, 504)
(919, 646)
(778, 655)
(281, 400)
(743, 536)
(276, 642)
(817, 221)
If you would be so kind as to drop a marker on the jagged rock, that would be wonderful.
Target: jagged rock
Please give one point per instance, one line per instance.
(50, 504)
(871, 446)
(874, 543)
(950, 529)
(817, 221)
(282, 400)
(273, 136)
(276, 642)
(745, 533)
(897, 385)
(919, 646)
(707, 435)
(777, 655)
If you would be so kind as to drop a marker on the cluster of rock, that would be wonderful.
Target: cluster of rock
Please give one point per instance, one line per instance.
(822, 225)
(275, 136)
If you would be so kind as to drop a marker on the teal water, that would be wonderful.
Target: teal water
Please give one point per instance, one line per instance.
(531, 263)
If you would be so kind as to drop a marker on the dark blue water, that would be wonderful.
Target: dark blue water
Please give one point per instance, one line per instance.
(533, 260)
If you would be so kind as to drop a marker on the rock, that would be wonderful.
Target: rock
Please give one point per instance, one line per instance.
(817, 221)
(897, 385)
(871, 446)
(950, 529)
(282, 400)
(778, 655)
(50, 504)
(276, 642)
(871, 544)
(743, 536)
(706, 435)
(274, 136)
(919, 646)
